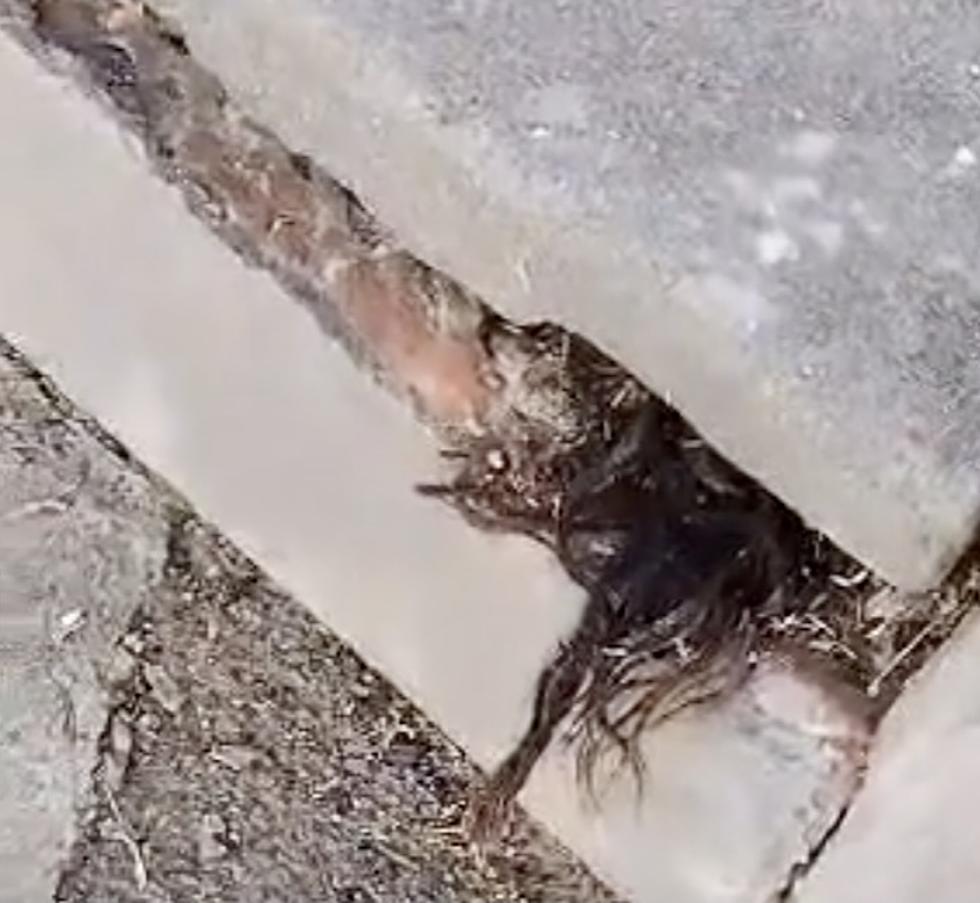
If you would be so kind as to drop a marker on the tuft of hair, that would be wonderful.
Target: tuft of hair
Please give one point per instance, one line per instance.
(681, 555)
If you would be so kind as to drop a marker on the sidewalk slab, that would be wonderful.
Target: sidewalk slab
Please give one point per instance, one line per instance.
(82, 544)
(913, 832)
(229, 389)
(769, 217)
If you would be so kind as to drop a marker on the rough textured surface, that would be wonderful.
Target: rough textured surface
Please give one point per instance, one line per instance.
(82, 543)
(209, 737)
(262, 760)
(796, 272)
(736, 797)
(913, 831)
(233, 393)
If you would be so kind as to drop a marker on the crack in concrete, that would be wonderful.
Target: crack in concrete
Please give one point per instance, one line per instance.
(799, 871)
(416, 330)
(279, 210)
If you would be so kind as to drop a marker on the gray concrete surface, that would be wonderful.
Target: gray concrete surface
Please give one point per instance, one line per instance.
(174, 727)
(767, 211)
(82, 543)
(231, 391)
(913, 832)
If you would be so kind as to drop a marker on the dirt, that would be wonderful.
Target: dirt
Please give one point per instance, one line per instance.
(249, 755)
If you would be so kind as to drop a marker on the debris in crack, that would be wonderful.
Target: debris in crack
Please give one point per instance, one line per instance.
(533, 413)
(692, 569)
(682, 556)
(413, 327)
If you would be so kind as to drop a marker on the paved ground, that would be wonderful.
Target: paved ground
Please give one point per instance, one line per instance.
(218, 380)
(769, 216)
(183, 745)
(83, 543)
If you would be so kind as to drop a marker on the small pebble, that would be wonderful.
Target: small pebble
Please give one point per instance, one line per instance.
(497, 460)
(208, 845)
(164, 688)
(234, 757)
(119, 668)
(121, 745)
(133, 644)
(68, 624)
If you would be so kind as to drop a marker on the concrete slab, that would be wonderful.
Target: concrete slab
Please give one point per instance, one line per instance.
(913, 832)
(82, 543)
(769, 214)
(232, 391)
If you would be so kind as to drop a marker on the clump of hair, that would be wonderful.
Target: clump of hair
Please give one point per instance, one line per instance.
(680, 554)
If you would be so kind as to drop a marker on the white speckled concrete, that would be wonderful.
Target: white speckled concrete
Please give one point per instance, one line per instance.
(769, 211)
(231, 390)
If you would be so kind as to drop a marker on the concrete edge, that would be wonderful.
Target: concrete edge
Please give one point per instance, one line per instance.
(269, 54)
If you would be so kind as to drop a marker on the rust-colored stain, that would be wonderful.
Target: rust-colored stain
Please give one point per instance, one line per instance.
(441, 371)
(279, 210)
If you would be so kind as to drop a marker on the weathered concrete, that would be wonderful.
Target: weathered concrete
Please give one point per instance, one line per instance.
(82, 542)
(913, 833)
(734, 799)
(769, 214)
(231, 391)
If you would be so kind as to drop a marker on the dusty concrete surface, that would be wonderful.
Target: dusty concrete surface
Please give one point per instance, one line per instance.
(796, 271)
(177, 728)
(82, 544)
(913, 831)
(736, 798)
(213, 378)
